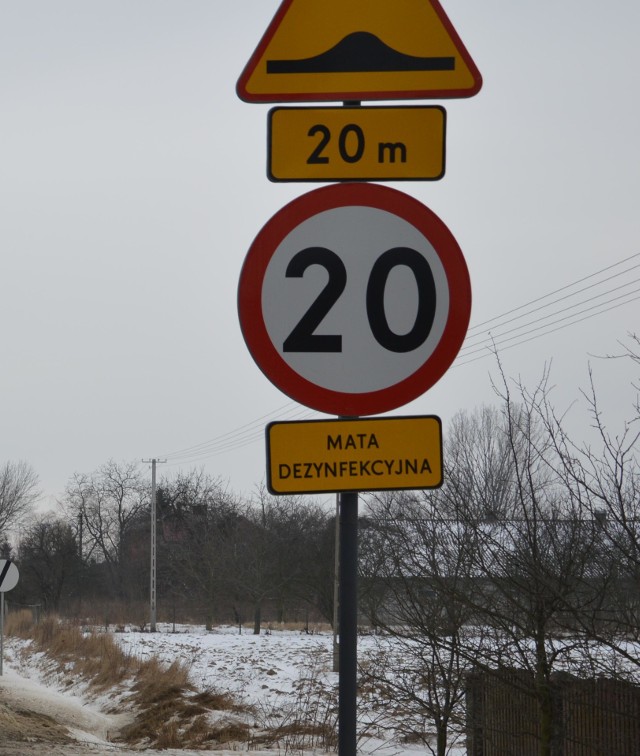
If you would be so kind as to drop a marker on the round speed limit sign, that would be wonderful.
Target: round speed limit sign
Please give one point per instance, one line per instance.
(354, 299)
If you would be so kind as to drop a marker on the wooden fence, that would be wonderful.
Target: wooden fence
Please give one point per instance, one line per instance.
(596, 717)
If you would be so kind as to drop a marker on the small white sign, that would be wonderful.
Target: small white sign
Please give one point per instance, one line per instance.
(9, 575)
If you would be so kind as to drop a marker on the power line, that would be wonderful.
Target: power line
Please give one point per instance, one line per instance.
(195, 447)
(557, 291)
(523, 333)
(487, 352)
(487, 336)
(573, 311)
(244, 435)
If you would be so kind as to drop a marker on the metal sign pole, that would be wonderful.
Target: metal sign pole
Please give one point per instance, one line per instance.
(9, 576)
(336, 589)
(1, 631)
(348, 650)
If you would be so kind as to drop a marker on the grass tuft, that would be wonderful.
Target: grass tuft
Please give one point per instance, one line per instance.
(19, 624)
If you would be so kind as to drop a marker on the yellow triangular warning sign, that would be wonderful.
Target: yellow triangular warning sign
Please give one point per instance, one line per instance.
(359, 50)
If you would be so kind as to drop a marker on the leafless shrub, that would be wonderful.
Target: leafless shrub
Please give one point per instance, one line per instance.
(309, 722)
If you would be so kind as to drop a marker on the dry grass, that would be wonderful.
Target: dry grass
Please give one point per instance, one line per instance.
(174, 715)
(169, 711)
(19, 624)
(311, 628)
(94, 657)
(29, 726)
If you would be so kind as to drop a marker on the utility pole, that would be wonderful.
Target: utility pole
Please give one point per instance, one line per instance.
(81, 557)
(154, 545)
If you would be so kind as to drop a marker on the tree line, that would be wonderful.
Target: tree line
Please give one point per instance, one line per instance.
(220, 557)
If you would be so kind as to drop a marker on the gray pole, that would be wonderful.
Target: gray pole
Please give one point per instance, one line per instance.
(154, 534)
(1, 631)
(336, 589)
(348, 651)
(80, 555)
(154, 546)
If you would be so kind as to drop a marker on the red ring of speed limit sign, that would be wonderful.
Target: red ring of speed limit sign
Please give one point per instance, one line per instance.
(354, 299)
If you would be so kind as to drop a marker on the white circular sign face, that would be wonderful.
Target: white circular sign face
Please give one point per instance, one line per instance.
(363, 364)
(354, 299)
(9, 575)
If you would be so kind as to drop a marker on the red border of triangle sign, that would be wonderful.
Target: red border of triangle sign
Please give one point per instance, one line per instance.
(319, 50)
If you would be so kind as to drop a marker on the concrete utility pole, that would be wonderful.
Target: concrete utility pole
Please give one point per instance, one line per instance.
(81, 556)
(154, 545)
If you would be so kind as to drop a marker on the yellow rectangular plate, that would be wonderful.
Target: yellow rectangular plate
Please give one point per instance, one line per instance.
(405, 143)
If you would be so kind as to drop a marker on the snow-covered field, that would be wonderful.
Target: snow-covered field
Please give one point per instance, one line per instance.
(279, 673)
(282, 677)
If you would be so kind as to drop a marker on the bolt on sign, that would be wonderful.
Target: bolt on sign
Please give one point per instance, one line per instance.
(370, 454)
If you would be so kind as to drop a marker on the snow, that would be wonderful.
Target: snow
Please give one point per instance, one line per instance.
(87, 723)
(259, 669)
(280, 674)
(275, 672)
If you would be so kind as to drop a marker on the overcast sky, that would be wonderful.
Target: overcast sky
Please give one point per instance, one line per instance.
(133, 181)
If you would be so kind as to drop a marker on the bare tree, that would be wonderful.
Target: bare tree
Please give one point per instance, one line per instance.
(108, 502)
(198, 515)
(533, 567)
(49, 561)
(417, 563)
(630, 351)
(274, 551)
(478, 466)
(492, 570)
(18, 493)
(604, 476)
